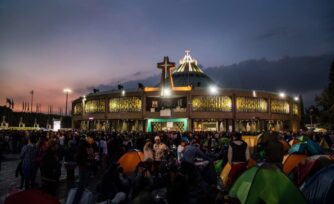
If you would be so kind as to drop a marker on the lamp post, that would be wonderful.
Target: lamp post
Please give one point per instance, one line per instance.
(67, 91)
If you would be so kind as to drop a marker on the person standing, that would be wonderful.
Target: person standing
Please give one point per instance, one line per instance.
(28, 156)
(238, 156)
(50, 168)
(159, 149)
(274, 150)
(148, 152)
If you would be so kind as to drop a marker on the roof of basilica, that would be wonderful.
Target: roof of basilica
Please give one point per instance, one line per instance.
(189, 73)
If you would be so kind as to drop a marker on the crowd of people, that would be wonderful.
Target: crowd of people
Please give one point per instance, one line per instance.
(177, 167)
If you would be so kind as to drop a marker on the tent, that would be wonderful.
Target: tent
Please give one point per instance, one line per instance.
(293, 142)
(308, 167)
(31, 196)
(298, 149)
(130, 160)
(303, 138)
(313, 148)
(308, 145)
(265, 184)
(227, 168)
(320, 187)
(286, 146)
(291, 161)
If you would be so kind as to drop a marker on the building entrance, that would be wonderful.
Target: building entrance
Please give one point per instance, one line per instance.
(170, 124)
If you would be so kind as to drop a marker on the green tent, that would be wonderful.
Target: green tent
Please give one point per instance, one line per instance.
(265, 185)
(303, 138)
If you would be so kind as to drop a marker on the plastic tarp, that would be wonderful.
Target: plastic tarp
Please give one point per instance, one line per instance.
(265, 185)
(320, 187)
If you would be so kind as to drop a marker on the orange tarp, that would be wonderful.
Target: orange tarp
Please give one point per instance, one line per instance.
(130, 160)
(291, 161)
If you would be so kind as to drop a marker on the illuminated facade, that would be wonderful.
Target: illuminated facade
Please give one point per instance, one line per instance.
(185, 100)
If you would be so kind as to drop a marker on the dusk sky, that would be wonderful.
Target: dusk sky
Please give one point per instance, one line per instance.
(48, 45)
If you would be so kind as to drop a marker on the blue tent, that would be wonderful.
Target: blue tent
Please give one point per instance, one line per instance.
(320, 187)
(298, 149)
(313, 148)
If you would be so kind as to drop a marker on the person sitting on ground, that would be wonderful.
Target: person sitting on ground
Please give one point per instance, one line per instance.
(238, 156)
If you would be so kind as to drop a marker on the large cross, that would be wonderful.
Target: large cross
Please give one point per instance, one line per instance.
(166, 66)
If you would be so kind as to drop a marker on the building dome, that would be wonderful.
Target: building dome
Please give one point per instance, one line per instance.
(188, 73)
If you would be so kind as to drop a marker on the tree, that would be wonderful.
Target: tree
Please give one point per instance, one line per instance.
(302, 113)
(325, 102)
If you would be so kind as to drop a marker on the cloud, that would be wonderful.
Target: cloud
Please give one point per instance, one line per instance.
(273, 33)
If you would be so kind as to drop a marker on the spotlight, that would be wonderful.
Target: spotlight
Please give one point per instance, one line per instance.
(213, 89)
(282, 95)
(123, 92)
(296, 98)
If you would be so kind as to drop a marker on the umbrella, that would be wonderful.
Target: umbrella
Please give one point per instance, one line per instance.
(320, 187)
(265, 184)
(130, 160)
(31, 196)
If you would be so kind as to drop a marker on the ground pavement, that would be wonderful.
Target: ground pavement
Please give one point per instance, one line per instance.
(8, 180)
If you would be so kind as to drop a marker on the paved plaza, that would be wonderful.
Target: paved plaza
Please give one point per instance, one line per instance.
(9, 182)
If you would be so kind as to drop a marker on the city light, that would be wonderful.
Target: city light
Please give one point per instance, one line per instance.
(282, 95)
(67, 90)
(254, 93)
(296, 98)
(167, 92)
(123, 92)
(213, 89)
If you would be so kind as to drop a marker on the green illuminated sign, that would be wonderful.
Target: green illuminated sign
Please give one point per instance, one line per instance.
(162, 120)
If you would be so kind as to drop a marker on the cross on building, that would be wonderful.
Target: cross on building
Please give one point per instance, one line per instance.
(166, 66)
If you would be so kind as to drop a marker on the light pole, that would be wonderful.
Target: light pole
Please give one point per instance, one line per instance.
(66, 91)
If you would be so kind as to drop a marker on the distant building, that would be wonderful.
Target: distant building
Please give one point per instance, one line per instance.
(186, 100)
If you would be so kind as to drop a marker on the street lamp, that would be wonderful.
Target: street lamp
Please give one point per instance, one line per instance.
(67, 91)
(282, 95)
(213, 89)
(296, 98)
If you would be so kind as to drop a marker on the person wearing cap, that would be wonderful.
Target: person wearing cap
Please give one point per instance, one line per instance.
(159, 149)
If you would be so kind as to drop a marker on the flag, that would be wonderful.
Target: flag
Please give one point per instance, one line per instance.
(9, 102)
